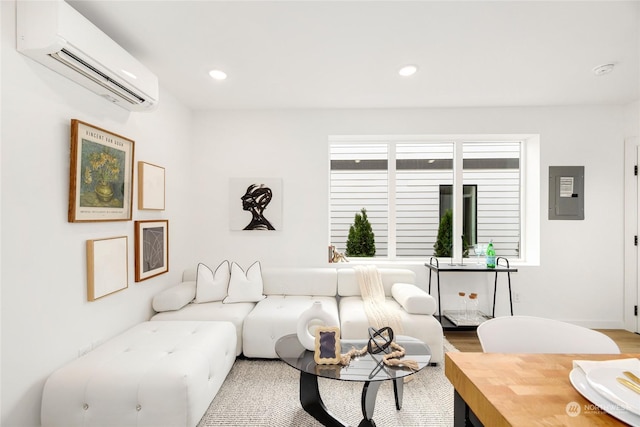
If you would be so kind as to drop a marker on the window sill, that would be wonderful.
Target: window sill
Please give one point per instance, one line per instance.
(420, 262)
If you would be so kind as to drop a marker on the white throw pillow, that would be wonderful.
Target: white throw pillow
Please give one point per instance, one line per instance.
(212, 286)
(245, 287)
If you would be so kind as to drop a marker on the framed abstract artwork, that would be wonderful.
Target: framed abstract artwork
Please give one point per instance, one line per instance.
(107, 266)
(151, 248)
(255, 204)
(151, 187)
(101, 175)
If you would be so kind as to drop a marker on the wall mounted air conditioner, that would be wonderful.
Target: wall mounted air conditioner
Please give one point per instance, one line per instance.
(56, 35)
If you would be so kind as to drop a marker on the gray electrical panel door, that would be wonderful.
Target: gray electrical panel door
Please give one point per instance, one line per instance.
(566, 192)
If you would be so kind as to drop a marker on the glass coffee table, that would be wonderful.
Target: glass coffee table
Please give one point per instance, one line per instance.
(367, 369)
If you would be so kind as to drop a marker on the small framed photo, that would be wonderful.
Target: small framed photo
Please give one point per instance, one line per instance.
(152, 248)
(101, 175)
(151, 187)
(327, 351)
(107, 266)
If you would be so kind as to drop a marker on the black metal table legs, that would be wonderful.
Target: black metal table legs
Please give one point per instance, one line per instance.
(438, 285)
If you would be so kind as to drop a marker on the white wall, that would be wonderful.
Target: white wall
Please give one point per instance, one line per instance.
(46, 318)
(571, 282)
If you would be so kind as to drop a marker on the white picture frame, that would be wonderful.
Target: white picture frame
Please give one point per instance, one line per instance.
(151, 187)
(107, 266)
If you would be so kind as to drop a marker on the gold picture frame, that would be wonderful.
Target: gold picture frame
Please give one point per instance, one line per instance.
(151, 248)
(101, 175)
(107, 266)
(327, 348)
(151, 186)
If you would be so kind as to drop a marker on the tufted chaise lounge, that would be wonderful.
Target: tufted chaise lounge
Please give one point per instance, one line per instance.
(154, 374)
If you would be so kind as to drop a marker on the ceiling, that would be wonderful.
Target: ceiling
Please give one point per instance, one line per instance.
(346, 54)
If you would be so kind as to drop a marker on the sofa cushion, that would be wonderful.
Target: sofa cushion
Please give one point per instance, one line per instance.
(300, 281)
(354, 324)
(275, 317)
(245, 287)
(413, 299)
(175, 297)
(212, 286)
(348, 282)
(156, 373)
(213, 311)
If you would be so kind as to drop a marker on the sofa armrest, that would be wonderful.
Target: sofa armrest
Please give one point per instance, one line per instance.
(175, 297)
(413, 299)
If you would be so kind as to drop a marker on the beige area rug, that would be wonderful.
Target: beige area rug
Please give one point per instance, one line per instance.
(261, 392)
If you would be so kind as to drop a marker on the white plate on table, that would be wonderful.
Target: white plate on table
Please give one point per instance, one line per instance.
(603, 380)
(579, 381)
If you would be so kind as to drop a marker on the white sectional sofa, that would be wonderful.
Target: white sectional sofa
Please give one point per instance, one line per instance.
(287, 292)
(168, 370)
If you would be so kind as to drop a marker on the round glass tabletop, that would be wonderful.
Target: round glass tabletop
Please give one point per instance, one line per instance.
(367, 367)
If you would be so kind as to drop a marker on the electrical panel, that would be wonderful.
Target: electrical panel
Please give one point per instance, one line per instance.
(566, 192)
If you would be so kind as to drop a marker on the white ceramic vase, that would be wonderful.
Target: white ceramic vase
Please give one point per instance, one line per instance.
(309, 319)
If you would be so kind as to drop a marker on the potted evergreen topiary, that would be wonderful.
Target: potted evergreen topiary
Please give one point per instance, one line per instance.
(361, 240)
(444, 243)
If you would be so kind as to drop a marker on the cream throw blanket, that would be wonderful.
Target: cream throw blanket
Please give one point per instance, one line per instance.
(372, 291)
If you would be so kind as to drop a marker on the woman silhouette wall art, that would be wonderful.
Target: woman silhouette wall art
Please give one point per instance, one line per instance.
(256, 204)
(255, 200)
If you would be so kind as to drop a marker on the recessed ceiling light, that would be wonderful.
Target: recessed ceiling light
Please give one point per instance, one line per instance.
(408, 70)
(603, 69)
(218, 74)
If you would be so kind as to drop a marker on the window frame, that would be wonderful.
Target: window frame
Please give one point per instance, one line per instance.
(442, 210)
(529, 253)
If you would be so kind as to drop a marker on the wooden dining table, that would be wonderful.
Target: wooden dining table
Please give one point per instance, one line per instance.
(494, 389)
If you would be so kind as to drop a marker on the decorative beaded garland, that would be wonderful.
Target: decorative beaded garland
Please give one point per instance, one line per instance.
(378, 343)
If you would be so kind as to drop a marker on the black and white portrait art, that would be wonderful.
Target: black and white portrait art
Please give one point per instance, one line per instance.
(256, 204)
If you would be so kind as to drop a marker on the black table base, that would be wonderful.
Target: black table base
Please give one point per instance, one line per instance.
(366, 369)
(312, 401)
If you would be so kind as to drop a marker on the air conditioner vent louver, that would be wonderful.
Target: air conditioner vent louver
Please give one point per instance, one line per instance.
(70, 60)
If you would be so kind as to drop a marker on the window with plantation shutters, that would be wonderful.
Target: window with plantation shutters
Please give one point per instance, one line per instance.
(405, 187)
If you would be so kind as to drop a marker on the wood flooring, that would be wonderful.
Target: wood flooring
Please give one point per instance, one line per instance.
(467, 341)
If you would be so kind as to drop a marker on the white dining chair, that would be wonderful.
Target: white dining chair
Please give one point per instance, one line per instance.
(527, 334)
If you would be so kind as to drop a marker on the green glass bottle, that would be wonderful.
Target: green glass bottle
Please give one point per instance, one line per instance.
(491, 255)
